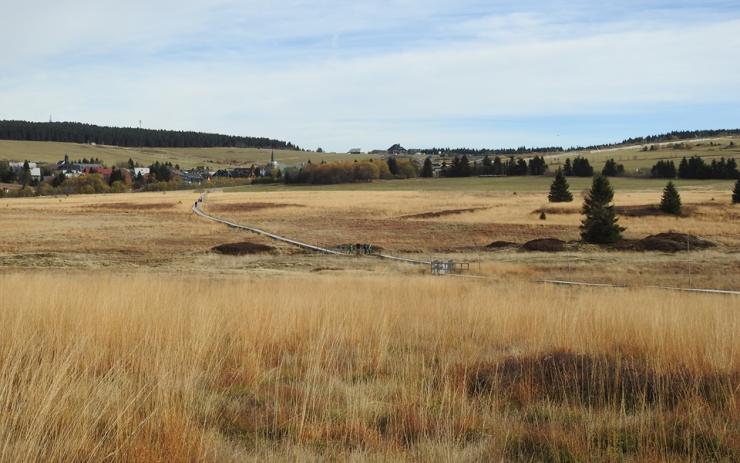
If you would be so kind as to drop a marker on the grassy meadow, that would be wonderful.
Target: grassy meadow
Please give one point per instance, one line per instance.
(125, 337)
(190, 368)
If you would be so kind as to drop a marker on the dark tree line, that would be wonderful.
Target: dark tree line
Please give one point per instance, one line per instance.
(612, 169)
(472, 152)
(663, 169)
(75, 132)
(579, 167)
(696, 168)
(461, 167)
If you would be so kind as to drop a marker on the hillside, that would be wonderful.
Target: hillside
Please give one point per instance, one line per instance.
(76, 132)
(635, 157)
(51, 152)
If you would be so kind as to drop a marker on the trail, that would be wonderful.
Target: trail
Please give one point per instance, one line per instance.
(197, 209)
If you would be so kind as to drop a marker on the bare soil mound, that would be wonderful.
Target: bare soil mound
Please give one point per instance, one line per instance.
(134, 206)
(249, 207)
(501, 245)
(673, 242)
(434, 214)
(544, 245)
(242, 249)
(665, 242)
(646, 210)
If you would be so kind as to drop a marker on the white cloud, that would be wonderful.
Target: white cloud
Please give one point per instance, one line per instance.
(507, 66)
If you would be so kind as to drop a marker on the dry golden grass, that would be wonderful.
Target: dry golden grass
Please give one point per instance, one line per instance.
(382, 217)
(157, 232)
(172, 368)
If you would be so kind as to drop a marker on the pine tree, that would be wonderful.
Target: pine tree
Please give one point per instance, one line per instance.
(464, 167)
(559, 190)
(427, 171)
(670, 203)
(736, 193)
(392, 165)
(568, 168)
(600, 225)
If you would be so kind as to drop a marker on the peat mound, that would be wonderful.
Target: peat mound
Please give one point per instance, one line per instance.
(544, 245)
(667, 242)
(242, 249)
(434, 214)
(501, 245)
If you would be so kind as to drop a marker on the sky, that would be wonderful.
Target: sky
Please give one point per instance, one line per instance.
(368, 74)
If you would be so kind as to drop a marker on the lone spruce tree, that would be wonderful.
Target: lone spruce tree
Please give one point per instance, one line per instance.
(600, 225)
(559, 190)
(427, 171)
(736, 193)
(670, 203)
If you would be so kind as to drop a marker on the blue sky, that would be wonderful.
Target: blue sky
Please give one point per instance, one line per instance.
(372, 73)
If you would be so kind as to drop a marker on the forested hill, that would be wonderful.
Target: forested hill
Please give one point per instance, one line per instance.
(675, 136)
(75, 132)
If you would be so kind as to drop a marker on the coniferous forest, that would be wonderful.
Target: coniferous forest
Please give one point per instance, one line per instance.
(76, 132)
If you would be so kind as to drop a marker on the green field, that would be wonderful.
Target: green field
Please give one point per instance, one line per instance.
(51, 152)
(494, 184)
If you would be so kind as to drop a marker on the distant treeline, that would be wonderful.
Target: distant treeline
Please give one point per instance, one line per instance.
(75, 132)
(488, 151)
(676, 135)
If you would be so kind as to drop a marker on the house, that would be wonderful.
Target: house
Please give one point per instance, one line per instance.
(268, 168)
(18, 166)
(35, 173)
(242, 172)
(397, 150)
(143, 171)
(84, 167)
(104, 171)
(355, 151)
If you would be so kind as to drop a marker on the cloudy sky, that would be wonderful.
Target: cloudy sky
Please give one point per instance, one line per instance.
(345, 74)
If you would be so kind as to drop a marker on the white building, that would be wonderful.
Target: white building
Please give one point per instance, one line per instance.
(35, 173)
(141, 171)
(16, 166)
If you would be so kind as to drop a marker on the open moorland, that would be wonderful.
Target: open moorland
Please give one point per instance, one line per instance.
(124, 335)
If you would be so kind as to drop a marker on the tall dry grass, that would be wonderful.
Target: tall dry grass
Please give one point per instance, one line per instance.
(160, 368)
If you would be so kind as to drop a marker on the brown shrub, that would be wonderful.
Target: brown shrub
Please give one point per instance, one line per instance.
(243, 248)
(501, 245)
(544, 245)
(590, 381)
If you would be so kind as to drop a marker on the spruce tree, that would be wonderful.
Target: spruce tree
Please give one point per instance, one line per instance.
(736, 193)
(559, 190)
(600, 225)
(670, 203)
(568, 168)
(427, 171)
